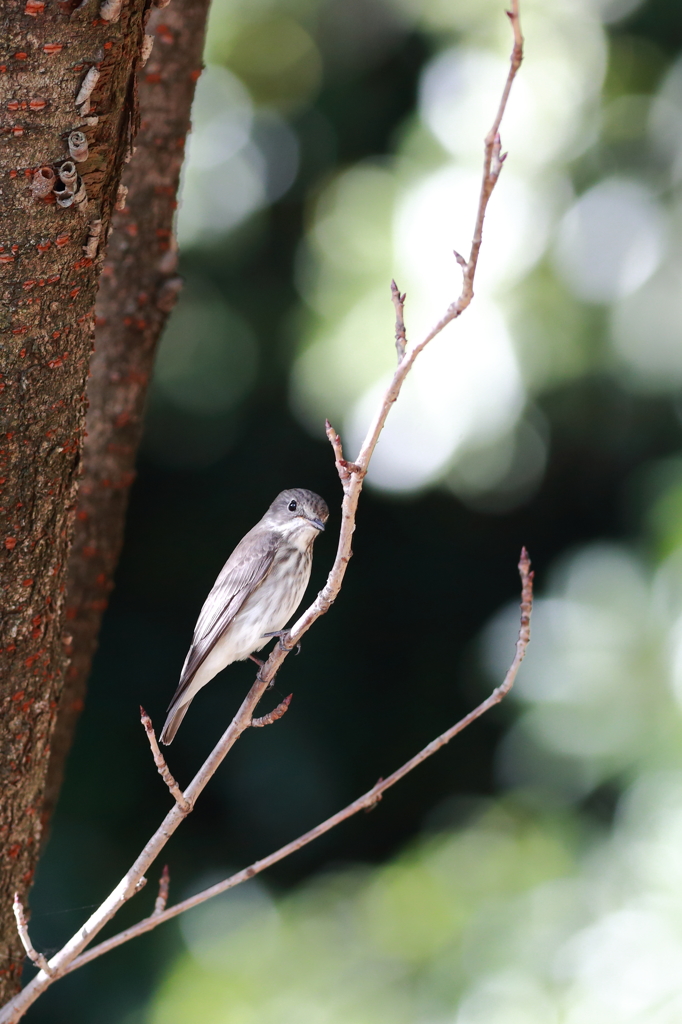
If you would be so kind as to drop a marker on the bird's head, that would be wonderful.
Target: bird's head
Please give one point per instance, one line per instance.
(297, 513)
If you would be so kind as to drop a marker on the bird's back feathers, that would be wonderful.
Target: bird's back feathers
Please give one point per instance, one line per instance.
(245, 570)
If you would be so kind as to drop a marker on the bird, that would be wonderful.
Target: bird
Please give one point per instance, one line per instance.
(259, 588)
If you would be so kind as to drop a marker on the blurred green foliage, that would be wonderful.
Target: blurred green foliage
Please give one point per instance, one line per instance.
(531, 872)
(391, 944)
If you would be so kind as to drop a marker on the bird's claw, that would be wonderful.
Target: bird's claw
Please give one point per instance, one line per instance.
(258, 673)
(281, 634)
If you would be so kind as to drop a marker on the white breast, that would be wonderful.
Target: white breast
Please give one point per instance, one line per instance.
(266, 610)
(271, 606)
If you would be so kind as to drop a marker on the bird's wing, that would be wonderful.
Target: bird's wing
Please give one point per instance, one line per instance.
(244, 571)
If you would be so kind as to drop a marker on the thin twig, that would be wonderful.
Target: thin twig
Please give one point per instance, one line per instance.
(400, 335)
(162, 898)
(344, 468)
(161, 765)
(22, 927)
(273, 715)
(367, 801)
(335, 442)
(352, 477)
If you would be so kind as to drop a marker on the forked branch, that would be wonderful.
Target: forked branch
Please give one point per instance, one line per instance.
(22, 927)
(352, 476)
(366, 802)
(162, 767)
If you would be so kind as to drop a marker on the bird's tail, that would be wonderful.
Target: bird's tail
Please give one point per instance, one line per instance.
(173, 720)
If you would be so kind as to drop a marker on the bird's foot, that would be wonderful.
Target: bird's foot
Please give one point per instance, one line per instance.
(281, 634)
(258, 675)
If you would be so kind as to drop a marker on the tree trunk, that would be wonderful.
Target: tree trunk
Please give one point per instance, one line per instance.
(138, 288)
(54, 55)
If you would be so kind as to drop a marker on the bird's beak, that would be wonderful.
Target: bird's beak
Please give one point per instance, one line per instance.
(317, 523)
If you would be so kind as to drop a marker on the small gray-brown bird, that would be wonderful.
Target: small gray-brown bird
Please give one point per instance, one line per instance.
(260, 587)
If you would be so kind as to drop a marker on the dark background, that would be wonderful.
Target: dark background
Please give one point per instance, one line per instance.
(391, 666)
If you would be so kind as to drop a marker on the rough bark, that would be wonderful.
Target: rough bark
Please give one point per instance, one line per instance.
(47, 295)
(138, 288)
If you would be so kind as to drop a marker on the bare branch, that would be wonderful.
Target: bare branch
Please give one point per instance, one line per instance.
(132, 881)
(400, 335)
(366, 802)
(352, 477)
(335, 442)
(162, 898)
(38, 958)
(344, 468)
(161, 765)
(353, 485)
(276, 713)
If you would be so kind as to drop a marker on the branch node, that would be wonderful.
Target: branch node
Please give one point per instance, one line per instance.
(268, 719)
(497, 159)
(141, 884)
(38, 959)
(162, 898)
(376, 798)
(352, 467)
(159, 760)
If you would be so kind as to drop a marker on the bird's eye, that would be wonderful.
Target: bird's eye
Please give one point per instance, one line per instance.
(292, 506)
